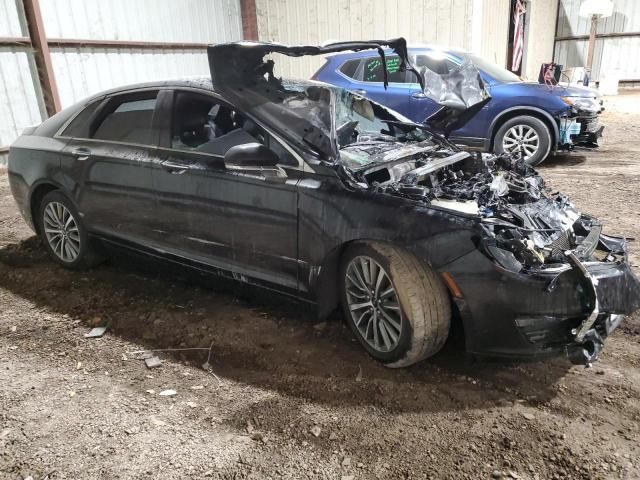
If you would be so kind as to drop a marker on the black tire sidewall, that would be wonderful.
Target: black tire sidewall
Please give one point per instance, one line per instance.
(57, 196)
(538, 125)
(406, 335)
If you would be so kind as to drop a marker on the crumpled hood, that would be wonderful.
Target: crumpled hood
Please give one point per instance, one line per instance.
(461, 92)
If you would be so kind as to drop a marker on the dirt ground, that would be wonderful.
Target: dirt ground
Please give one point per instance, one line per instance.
(285, 398)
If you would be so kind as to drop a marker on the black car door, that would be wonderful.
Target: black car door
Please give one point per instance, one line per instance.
(109, 156)
(243, 223)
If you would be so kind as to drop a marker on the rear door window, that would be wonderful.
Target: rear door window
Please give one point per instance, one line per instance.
(128, 120)
(374, 71)
(350, 68)
(79, 126)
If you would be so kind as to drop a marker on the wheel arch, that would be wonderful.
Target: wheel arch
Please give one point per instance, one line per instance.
(38, 192)
(326, 286)
(535, 112)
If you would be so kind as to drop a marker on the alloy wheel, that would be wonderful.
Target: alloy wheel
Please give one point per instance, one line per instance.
(521, 138)
(61, 231)
(373, 304)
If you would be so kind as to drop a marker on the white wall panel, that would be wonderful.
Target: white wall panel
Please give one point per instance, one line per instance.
(494, 31)
(619, 54)
(10, 24)
(206, 21)
(443, 22)
(19, 105)
(81, 72)
(540, 36)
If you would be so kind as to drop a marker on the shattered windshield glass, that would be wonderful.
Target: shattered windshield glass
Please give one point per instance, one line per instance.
(361, 123)
(304, 110)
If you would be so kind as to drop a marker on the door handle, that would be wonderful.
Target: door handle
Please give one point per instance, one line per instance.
(361, 92)
(81, 154)
(175, 168)
(419, 95)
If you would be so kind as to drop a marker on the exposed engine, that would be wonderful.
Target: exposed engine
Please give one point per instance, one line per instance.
(526, 225)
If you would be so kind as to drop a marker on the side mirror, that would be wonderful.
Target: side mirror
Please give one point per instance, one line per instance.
(250, 156)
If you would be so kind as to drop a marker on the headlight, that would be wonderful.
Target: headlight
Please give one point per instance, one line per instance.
(583, 103)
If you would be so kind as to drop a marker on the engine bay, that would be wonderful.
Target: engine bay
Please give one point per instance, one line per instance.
(526, 225)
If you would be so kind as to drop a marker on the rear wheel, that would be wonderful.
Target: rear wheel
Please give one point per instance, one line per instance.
(396, 305)
(525, 135)
(64, 234)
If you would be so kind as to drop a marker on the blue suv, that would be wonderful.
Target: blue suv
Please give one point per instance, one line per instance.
(533, 118)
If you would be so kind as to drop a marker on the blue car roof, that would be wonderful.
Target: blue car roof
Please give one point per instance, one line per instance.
(415, 49)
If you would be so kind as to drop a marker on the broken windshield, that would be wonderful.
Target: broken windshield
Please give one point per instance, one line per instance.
(327, 118)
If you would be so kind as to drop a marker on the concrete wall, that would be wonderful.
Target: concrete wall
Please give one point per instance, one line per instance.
(479, 25)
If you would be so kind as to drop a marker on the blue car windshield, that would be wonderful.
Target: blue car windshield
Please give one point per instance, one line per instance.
(494, 71)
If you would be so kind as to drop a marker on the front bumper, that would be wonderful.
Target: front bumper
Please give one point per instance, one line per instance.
(536, 315)
(590, 132)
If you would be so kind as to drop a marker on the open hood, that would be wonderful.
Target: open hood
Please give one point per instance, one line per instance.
(461, 92)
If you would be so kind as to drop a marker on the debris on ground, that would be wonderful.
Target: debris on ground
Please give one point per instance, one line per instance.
(315, 430)
(168, 393)
(153, 362)
(96, 332)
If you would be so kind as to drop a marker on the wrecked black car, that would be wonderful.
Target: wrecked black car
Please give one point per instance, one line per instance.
(318, 193)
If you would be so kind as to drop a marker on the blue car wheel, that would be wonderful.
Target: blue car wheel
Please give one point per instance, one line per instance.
(526, 135)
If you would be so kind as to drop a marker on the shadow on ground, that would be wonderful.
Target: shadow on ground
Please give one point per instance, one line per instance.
(264, 340)
(564, 159)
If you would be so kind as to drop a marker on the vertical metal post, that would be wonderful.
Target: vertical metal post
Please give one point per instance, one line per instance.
(249, 19)
(592, 40)
(42, 56)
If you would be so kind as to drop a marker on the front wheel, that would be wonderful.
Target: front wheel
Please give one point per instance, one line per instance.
(525, 135)
(397, 307)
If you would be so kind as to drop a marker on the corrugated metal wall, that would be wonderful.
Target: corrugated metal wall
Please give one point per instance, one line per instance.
(618, 54)
(445, 22)
(494, 31)
(83, 71)
(540, 35)
(20, 104)
(206, 21)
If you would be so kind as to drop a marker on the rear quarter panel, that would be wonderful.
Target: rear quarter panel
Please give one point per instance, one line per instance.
(33, 160)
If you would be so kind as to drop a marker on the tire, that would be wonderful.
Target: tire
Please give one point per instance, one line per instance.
(509, 133)
(420, 300)
(71, 249)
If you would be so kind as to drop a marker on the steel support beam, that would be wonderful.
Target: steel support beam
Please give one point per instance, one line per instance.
(87, 43)
(598, 35)
(15, 42)
(42, 56)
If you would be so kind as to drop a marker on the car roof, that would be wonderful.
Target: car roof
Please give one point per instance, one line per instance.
(412, 49)
(202, 82)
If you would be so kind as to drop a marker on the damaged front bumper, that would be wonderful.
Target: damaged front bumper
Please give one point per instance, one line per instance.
(568, 311)
(583, 130)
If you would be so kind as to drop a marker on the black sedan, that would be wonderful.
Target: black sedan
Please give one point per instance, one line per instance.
(321, 194)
